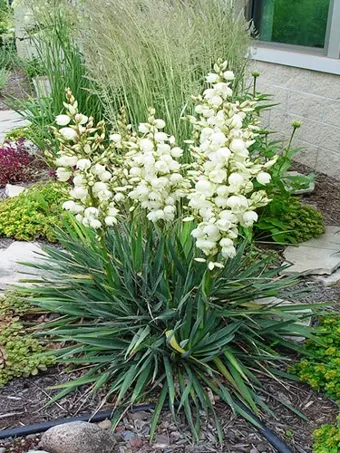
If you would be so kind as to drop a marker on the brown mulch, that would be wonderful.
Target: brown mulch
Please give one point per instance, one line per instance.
(326, 195)
(18, 87)
(23, 401)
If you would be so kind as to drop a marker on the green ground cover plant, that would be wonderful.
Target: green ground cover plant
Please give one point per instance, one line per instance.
(18, 348)
(321, 367)
(327, 438)
(33, 214)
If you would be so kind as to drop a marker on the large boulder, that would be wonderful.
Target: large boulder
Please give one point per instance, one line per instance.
(78, 437)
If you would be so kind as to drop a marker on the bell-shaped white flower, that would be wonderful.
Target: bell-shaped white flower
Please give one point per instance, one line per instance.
(84, 164)
(68, 133)
(263, 178)
(63, 174)
(62, 120)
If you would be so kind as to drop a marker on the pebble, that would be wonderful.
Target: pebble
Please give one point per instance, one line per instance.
(175, 436)
(136, 443)
(127, 435)
(2, 450)
(105, 424)
(162, 441)
(141, 415)
(262, 448)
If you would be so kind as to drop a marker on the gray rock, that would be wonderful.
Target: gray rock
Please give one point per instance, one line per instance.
(328, 280)
(11, 271)
(13, 191)
(77, 437)
(3, 450)
(317, 256)
(127, 435)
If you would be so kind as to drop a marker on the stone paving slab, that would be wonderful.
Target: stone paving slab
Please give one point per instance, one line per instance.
(315, 257)
(328, 280)
(11, 272)
(10, 120)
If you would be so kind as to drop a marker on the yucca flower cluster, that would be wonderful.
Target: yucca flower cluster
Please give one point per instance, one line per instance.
(224, 196)
(144, 169)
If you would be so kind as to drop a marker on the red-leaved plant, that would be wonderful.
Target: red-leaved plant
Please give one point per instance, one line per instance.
(17, 164)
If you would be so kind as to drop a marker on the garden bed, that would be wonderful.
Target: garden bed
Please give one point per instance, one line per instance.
(23, 401)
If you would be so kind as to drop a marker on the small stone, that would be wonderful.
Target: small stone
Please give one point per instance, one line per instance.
(12, 191)
(105, 424)
(254, 450)
(3, 450)
(262, 448)
(136, 443)
(127, 435)
(175, 436)
(77, 437)
(162, 441)
(141, 415)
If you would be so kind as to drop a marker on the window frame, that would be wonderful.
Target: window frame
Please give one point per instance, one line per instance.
(326, 59)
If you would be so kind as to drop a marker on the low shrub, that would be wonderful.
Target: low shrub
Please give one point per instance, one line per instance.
(18, 348)
(153, 321)
(4, 76)
(289, 222)
(321, 366)
(32, 214)
(327, 438)
(17, 164)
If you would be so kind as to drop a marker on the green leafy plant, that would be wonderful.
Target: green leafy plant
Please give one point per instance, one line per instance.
(291, 222)
(18, 349)
(35, 67)
(321, 366)
(327, 438)
(151, 322)
(32, 214)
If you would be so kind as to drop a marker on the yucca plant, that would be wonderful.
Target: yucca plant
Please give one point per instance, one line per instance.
(149, 322)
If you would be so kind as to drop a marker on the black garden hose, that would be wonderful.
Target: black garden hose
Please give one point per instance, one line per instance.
(20, 431)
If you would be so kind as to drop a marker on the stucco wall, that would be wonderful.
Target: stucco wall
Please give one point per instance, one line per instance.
(313, 98)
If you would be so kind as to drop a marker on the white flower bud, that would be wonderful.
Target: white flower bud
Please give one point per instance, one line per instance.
(229, 75)
(263, 178)
(110, 221)
(235, 179)
(144, 128)
(83, 164)
(160, 124)
(212, 77)
(99, 186)
(98, 169)
(68, 133)
(67, 161)
(115, 138)
(63, 174)
(62, 120)
(105, 176)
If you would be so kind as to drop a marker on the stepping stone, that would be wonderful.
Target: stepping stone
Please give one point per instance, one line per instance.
(12, 190)
(307, 190)
(11, 272)
(328, 280)
(317, 256)
(10, 120)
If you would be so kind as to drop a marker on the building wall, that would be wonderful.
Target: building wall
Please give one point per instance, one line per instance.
(313, 98)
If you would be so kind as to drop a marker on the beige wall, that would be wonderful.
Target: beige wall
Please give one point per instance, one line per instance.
(313, 98)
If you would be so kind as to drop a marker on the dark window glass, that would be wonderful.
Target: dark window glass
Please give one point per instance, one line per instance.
(300, 22)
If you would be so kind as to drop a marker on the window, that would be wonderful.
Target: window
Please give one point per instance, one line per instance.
(300, 33)
(298, 22)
